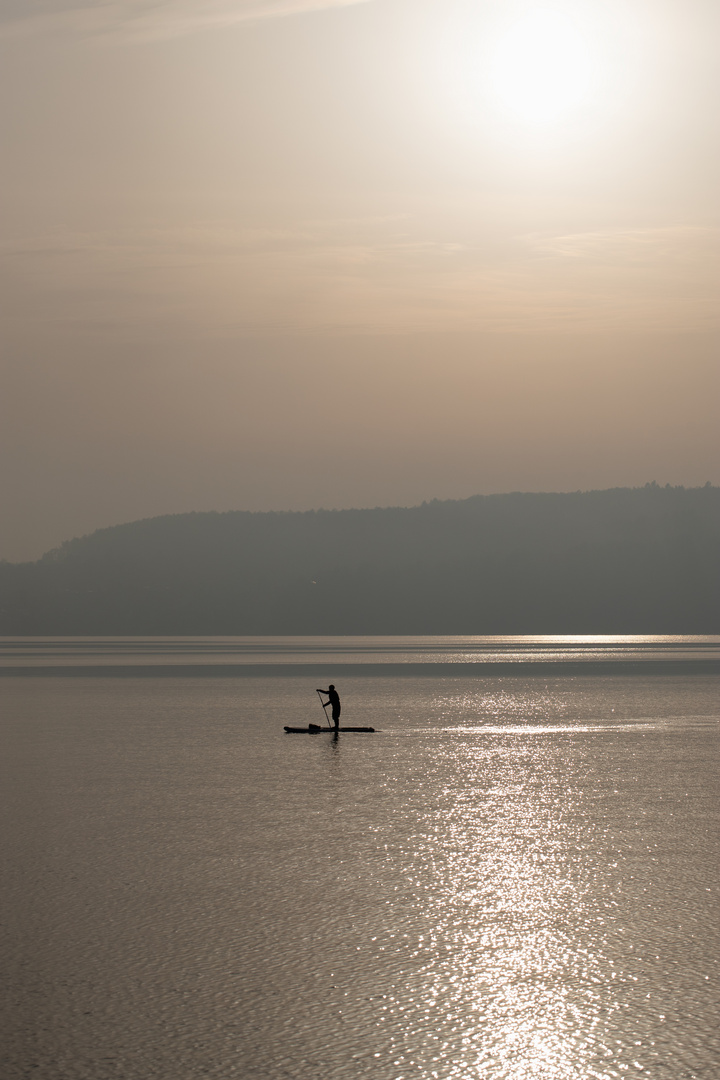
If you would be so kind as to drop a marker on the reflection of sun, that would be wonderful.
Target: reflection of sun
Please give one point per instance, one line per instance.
(542, 68)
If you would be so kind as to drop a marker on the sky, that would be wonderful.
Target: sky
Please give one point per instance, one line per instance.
(291, 254)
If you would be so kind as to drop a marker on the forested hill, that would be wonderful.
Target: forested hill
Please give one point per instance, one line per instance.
(643, 560)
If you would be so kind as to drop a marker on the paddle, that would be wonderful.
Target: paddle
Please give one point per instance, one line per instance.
(324, 705)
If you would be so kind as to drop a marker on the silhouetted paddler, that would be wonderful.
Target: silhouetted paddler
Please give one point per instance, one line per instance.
(334, 700)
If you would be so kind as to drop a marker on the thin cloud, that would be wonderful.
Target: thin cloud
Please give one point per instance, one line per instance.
(145, 19)
(368, 275)
(633, 246)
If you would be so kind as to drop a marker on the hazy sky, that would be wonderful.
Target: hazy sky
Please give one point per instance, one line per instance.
(269, 254)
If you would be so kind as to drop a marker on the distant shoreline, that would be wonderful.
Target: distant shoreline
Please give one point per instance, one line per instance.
(488, 565)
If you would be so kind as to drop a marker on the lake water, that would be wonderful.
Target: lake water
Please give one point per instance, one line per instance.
(516, 877)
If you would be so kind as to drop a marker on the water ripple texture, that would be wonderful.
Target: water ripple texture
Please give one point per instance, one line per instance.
(516, 878)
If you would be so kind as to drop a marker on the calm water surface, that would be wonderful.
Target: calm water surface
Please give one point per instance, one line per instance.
(516, 877)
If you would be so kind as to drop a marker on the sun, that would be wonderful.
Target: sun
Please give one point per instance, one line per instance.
(542, 68)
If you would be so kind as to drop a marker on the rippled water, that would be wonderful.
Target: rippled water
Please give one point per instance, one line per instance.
(516, 877)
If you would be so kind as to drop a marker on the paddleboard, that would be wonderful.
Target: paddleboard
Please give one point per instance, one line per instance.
(315, 729)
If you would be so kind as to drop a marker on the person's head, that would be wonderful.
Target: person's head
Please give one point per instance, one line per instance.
(331, 686)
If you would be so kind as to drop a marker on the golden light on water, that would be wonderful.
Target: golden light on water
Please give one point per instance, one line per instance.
(510, 887)
(527, 969)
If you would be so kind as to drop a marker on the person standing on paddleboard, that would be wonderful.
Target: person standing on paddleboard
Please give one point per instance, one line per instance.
(333, 698)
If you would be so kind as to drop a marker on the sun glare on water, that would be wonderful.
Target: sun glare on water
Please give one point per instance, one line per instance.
(542, 68)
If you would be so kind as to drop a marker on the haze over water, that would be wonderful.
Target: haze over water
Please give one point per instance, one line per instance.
(515, 877)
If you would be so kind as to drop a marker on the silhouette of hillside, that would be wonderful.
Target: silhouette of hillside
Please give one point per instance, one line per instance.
(643, 560)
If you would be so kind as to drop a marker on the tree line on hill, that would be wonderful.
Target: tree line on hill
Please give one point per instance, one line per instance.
(640, 560)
